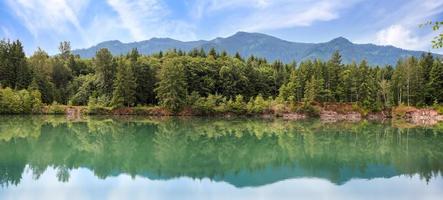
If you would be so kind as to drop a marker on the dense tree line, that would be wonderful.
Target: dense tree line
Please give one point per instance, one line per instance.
(177, 79)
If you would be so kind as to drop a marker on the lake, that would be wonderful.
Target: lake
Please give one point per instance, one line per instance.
(50, 157)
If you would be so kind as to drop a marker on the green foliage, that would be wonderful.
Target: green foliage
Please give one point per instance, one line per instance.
(438, 108)
(97, 106)
(437, 42)
(309, 110)
(14, 69)
(19, 102)
(435, 84)
(61, 76)
(172, 88)
(82, 87)
(145, 70)
(213, 104)
(257, 105)
(105, 68)
(311, 91)
(167, 78)
(125, 86)
(237, 105)
(56, 108)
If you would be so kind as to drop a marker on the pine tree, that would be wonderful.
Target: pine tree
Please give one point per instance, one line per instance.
(144, 73)
(334, 76)
(61, 76)
(385, 87)
(212, 53)
(105, 70)
(124, 85)
(311, 91)
(435, 84)
(426, 63)
(224, 54)
(19, 73)
(238, 56)
(172, 88)
(289, 90)
(202, 53)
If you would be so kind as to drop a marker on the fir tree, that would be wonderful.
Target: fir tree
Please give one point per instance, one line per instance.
(435, 84)
(124, 85)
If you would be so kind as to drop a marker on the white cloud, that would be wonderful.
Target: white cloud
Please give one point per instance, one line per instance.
(50, 15)
(260, 15)
(399, 36)
(52, 21)
(149, 18)
(402, 27)
(291, 16)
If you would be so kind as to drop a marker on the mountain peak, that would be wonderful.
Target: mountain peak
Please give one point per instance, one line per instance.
(110, 42)
(340, 40)
(239, 33)
(164, 39)
(243, 34)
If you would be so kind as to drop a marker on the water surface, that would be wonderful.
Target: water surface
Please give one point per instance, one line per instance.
(45, 157)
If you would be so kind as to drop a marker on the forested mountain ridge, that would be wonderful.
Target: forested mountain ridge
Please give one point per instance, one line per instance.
(266, 46)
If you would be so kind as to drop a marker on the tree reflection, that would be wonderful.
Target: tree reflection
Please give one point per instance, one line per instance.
(243, 152)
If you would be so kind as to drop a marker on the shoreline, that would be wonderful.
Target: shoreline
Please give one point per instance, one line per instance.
(418, 116)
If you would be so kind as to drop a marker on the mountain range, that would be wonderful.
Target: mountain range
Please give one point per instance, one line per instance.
(266, 46)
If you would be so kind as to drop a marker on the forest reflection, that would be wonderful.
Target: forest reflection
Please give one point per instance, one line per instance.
(242, 152)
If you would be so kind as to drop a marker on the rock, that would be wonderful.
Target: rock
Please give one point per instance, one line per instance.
(378, 116)
(332, 116)
(267, 116)
(73, 113)
(423, 116)
(293, 116)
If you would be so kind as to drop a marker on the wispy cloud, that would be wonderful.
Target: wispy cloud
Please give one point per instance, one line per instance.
(48, 16)
(400, 36)
(149, 18)
(6, 33)
(51, 21)
(402, 27)
(87, 22)
(261, 15)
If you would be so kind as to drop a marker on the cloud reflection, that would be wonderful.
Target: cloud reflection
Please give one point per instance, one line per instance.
(83, 184)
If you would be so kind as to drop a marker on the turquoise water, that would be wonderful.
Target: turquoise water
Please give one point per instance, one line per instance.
(46, 157)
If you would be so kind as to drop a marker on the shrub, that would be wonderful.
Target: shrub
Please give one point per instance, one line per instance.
(9, 101)
(309, 110)
(97, 107)
(206, 105)
(19, 102)
(401, 110)
(362, 110)
(36, 101)
(237, 106)
(257, 105)
(56, 108)
(438, 108)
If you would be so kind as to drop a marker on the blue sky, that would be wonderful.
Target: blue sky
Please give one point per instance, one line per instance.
(44, 23)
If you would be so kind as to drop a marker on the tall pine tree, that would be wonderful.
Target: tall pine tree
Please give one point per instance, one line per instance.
(435, 84)
(124, 85)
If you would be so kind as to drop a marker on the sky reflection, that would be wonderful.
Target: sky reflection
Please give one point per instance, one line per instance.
(83, 184)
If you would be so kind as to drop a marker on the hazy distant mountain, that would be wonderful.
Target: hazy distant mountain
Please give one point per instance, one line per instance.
(266, 46)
